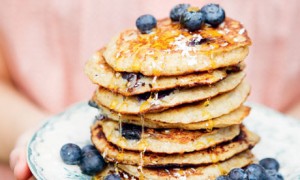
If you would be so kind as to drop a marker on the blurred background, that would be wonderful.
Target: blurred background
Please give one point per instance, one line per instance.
(45, 44)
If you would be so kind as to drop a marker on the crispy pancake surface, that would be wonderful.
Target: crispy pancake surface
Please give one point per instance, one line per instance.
(233, 118)
(207, 172)
(171, 50)
(204, 110)
(129, 84)
(245, 140)
(168, 140)
(160, 101)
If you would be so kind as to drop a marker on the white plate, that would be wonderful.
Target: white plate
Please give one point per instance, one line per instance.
(279, 133)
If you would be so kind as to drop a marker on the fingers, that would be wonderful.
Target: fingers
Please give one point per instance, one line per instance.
(18, 160)
(19, 165)
(14, 157)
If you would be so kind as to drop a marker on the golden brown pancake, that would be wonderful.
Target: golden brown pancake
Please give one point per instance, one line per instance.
(128, 84)
(206, 172)
(233, 118)
(204, 110)
(171, 50)
(159, 101)
(168, 141)
(245, 140)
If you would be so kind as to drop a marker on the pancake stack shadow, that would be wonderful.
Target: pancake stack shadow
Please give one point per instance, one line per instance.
(171, 102)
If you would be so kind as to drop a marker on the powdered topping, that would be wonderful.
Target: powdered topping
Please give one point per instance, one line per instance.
(169, 37)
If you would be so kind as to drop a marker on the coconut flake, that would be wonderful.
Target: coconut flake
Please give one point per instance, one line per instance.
(118, 74)
(180, 44)
(155, 101)
(154, 79)
(241, 31)
(150, 52)
(168, 51)
(192, 61)
(224, 44)
(226, 30)
(125, 176)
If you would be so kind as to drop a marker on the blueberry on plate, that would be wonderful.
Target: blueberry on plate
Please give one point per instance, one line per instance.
(256, 172)
(177, 11)
(223, 178)
(269, 164)
(91, 163)
(146, 23)
(89, 148)
(274, 175)
(70, 154)
(214, 14)
(237, 174)
(279, 177)
(192, 20)
(112, 177)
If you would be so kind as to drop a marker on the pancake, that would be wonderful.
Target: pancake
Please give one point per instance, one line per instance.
(162, 100)
(204, 110)
(171, 50)
(209, 172)
(168, 140)
(245, 140)
(126, 84)
(111, 169)
(233, 118)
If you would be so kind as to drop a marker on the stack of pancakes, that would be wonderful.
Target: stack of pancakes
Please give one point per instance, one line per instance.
(171, 102)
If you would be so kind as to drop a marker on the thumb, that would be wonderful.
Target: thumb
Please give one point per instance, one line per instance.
(19, 164)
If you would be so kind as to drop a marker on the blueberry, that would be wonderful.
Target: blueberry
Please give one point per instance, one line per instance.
(279, 177)
(112, 177)
(130, 131)
(144, 96)
(91, 163)
(160, 95)
(269, 164)
(164, 93)
(177, 11)
(100, 117)
(197, 41)
(214, 14)
(237, 174)
(70, 154)
(146, 23)
(93, 104)
(223, 178)
(274, 175)
(88, 148)
(256, 172)
(131, 76)
(192, 20)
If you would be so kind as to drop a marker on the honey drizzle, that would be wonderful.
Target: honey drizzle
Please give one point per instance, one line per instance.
(120, 123)
(209, 123)
(120, 155)
(143, 144)
(214, 158)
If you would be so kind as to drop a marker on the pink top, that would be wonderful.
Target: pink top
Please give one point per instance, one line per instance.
(46, 44)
